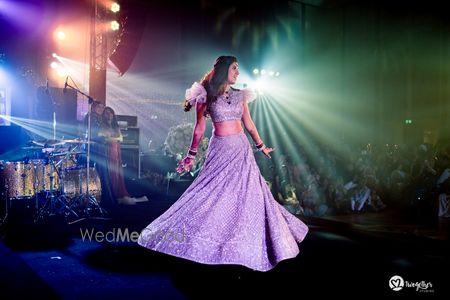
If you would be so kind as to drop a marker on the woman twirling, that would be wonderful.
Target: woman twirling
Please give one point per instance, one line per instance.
(228, 214)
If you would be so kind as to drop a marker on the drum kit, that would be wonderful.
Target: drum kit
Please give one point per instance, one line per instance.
(55, 179)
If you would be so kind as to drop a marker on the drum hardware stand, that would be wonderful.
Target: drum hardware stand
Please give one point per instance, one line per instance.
(88, 201)
(5, 217)
(7, 202)
(49, 208)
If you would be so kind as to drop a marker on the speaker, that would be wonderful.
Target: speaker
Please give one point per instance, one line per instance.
(131, 161)
(127, 121)
(63, 105)
(130, 135)
(133, 20)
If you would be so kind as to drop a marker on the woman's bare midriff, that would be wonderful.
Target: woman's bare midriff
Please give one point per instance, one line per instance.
(227, 128)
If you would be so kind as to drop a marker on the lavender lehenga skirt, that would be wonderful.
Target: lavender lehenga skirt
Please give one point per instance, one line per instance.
(227, 215)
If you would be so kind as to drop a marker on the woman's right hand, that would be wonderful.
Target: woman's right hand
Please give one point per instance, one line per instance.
(185, 165)
(266, 151)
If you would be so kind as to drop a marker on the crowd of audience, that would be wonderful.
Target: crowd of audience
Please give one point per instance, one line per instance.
(320, 181)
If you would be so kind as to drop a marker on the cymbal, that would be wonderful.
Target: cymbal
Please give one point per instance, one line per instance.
(65, 153)
(48, 150)
(49, 143)
(77, 141)
(32, 148)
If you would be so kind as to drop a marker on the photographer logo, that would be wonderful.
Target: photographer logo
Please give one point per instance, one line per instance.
(396, 283)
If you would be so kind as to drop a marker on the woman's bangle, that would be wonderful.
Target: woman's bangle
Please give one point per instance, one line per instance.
(190, 156)
(261, 146)
(192, 152)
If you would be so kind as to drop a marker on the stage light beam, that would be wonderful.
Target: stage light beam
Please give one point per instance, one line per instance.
(61, 72)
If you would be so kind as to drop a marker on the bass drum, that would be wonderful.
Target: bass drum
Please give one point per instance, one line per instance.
(72, 187)
(17, 180)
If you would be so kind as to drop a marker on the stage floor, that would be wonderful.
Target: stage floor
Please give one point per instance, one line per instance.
(347, 255)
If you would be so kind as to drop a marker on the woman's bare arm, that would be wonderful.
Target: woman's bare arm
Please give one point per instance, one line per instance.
(200, 126)
(251, 129)
(250, 126)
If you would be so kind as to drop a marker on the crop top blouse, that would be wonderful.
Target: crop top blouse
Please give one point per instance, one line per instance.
(227, 106)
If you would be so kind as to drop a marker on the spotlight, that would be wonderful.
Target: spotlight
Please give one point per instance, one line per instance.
(258, 86)
(54, 65)
(256, 71)
(54, 55)
(61, 35)
(271, 73)
(263, 72)
(115, 25)
(115, 7)
(277, 74)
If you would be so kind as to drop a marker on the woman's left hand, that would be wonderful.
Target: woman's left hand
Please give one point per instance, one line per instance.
(267, 151)
(185, 165)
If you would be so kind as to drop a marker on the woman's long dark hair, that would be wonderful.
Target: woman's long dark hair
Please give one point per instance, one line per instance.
(214, 81)
(114, 123)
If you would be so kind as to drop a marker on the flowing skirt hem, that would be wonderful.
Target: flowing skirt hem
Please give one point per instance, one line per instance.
(220, 261)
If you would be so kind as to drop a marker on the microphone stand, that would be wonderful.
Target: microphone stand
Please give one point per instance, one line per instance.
(91, 200)
(49, 94)
(54, 126)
